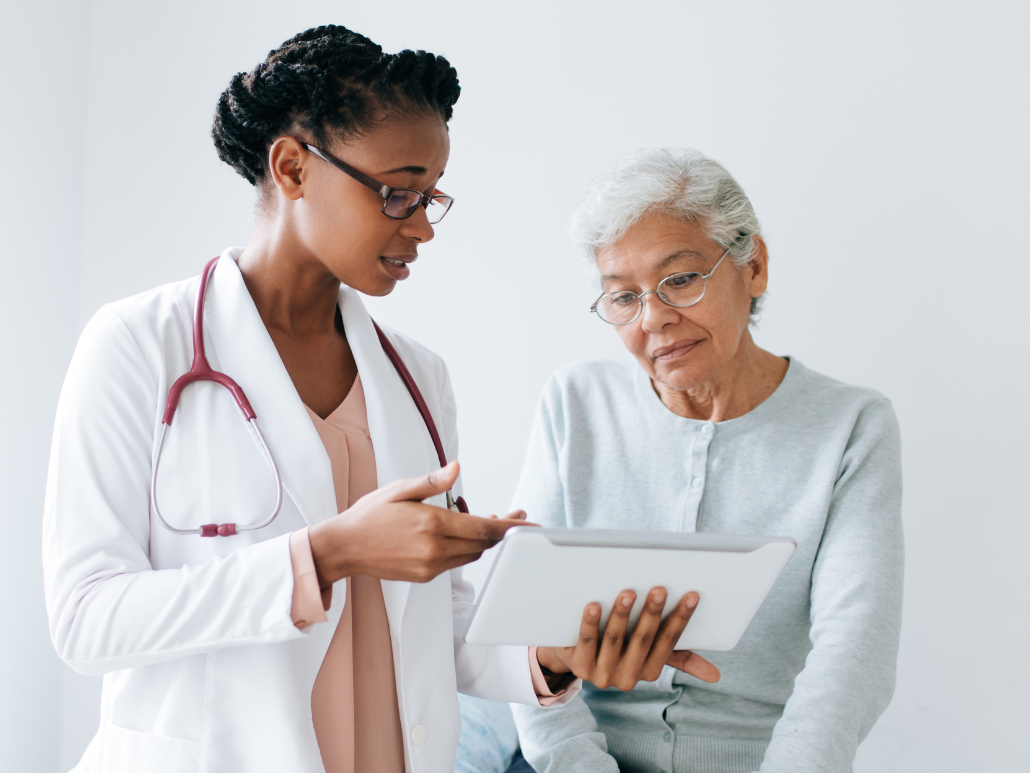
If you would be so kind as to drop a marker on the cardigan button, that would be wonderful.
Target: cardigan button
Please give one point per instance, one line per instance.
(418, 734)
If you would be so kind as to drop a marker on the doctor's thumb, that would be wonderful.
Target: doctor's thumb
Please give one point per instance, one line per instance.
(417, 489)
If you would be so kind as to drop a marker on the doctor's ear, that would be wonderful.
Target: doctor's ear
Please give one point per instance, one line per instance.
(286, 160)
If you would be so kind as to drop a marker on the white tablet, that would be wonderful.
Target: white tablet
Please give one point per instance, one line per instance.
(542, 579)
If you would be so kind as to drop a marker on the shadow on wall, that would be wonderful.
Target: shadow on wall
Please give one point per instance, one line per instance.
(80, 715)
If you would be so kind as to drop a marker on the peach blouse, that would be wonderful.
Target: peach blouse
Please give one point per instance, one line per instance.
(354, 699)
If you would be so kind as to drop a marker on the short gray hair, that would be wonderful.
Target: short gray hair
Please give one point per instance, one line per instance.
(682, 183)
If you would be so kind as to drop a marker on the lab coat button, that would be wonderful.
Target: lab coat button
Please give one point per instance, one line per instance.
(418, 734)
(707, 429)
(696, 483)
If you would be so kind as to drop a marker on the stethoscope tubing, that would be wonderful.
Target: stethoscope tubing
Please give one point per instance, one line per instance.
(201, 370)
(218, 529)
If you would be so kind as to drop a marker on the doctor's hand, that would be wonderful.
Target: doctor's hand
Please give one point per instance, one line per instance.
(610, 659)
(391, 534)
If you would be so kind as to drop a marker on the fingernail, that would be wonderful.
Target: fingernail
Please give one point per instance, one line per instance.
(627, 601)
(658, 597)
(691, 602)
(593, 612)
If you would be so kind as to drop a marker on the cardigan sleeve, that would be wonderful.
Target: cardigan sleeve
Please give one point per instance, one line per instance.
(856, 595)
(568, 740)
(541, 490)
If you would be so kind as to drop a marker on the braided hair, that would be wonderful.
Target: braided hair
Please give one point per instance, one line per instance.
(327, 82)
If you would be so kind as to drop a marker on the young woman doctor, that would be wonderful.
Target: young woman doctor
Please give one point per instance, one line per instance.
(329, 638)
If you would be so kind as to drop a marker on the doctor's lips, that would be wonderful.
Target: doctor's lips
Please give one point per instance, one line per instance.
(675, 350)
(397, 265)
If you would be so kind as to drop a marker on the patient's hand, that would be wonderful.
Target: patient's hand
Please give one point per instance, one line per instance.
(609, 659)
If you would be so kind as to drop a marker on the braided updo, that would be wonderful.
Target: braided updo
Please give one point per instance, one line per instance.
(328, 82)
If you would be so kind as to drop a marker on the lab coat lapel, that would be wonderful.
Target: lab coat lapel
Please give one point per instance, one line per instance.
(401, 442)
(242, 348)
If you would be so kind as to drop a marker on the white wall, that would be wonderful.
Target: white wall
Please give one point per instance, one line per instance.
(882, 144)
(42, 106)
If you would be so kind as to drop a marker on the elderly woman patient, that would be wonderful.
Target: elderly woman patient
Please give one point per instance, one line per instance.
(699, 429)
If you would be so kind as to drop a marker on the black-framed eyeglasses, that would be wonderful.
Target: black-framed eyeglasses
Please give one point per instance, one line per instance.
(680, 290)
(398, 203)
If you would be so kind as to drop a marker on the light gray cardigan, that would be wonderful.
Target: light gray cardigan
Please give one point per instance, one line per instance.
(819, 461)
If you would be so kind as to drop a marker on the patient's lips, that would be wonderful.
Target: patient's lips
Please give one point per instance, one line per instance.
(677, 349)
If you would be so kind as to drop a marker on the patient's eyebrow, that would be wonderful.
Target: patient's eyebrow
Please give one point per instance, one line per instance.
(663, 263)
(688, 253)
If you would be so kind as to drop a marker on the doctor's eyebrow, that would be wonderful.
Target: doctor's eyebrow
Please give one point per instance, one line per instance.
(411, 169)
(663, 263)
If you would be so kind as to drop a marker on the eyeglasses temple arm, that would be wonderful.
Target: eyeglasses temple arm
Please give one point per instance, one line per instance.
(382, 189)
(720, 260)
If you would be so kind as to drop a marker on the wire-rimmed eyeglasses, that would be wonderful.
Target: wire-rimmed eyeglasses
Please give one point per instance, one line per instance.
(680, 290)
(398, 203)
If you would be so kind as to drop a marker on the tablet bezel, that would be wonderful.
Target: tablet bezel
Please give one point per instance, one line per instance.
(632, 540)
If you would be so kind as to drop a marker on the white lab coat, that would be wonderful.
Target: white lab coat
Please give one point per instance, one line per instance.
(203, 668)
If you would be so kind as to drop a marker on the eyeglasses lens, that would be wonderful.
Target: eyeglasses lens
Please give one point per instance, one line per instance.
(619, 308)
(401, 204)
(682, 289)
(437, 208)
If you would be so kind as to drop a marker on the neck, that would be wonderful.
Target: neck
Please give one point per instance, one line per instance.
(737, 387)
(294, 292)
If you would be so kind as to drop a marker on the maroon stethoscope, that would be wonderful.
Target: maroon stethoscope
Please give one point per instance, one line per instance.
(201, 370)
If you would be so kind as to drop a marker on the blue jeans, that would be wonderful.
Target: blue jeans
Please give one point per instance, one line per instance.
(519, 764)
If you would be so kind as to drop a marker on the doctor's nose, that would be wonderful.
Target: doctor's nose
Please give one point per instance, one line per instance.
(417, 227)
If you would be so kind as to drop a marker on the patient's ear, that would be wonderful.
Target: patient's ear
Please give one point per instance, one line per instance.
(756, 273)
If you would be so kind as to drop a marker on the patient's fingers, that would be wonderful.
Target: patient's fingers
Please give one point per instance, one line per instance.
(628, 672)
(695, 665)
(584, 656)
(613, 638)
(667, 637)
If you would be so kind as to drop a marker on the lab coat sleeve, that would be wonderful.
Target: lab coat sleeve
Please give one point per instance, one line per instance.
(108, 608)
(493, 672)
(856, 595)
